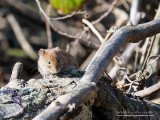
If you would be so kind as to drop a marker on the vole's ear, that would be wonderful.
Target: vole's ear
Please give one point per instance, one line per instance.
(41, 52)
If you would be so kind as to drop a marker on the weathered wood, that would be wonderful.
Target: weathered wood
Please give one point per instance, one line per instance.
(61, 105)
(20, 99)
(101, 61)
(113, 104)
(17, 70)
(148, 91)
(119, 39)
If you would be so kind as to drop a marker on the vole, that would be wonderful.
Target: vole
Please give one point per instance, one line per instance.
(54, 61)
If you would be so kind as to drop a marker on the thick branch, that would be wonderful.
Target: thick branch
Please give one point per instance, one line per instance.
(61, 105)
(130, 47)
(99, 64)
(117, 40)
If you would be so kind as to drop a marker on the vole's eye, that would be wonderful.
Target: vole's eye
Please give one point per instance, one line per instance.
(58, 61)
(49, 62)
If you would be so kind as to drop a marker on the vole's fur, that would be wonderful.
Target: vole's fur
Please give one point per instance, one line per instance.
(54, 61)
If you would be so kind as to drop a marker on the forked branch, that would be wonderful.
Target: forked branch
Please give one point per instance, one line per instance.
(98, 66)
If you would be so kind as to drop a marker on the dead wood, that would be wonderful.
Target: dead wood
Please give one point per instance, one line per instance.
(100, 63)
(17, 70)
(148, 91)
(119, 39)
(25, 100)
(135, 7)
(112, 104)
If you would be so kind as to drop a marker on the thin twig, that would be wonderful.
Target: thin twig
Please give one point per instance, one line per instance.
(157, 15)
(118, 13)
(93, 29)
(148, 53)
(156, 57)
(105, 14)
(21, 38)
(130, 86)
(49, 34)
(135, 74)
(125, 4)
(62, 33)
(136, 59)
(100, 18)
(53, 27)
(125, 76)
(58, 18)
(143, 50)
(70, 15)
(111, 30)
(148, 91)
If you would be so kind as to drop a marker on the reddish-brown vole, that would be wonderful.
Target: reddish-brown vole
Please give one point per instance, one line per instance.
(54, 61)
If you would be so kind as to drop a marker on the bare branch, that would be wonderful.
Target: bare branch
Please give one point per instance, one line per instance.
(93, 29)
(135, 14)
(16, 72)
(101, 17)
(61, 105)
(58, 18)
(70, 15)
(152, 42)
(28, 13)
(118, 13)
(148, 53)
(86, 42)
(98, 66)
(48, 28)
(131, 46)
(124, 57)
(117, 40)
(148, 91)
(125, 4)
(21, 38)
(105, 14)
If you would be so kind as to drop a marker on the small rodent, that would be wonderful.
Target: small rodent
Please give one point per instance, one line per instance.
(54, 61)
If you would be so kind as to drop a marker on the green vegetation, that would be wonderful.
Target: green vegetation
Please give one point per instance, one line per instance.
(16, 53)
(67, 6)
